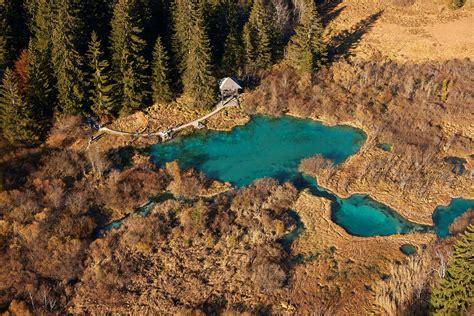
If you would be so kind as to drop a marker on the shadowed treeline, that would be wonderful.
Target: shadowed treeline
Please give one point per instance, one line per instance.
(345, 42)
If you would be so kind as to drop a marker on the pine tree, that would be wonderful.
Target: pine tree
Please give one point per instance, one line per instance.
(128, 64)
(18, 122)
(160, 80)
(40, 69)
(307, 50)
(199, 83)
(258, 39)
(100, 85)
(454, 295)
(232, 59)
(233, 54)
(67, 61)
(4, 51)
(182, 32)
(3, 54)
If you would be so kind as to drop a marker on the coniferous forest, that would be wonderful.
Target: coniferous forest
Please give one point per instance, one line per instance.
(110, 58)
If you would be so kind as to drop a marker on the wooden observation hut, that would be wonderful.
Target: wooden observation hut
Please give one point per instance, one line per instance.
(229, 87)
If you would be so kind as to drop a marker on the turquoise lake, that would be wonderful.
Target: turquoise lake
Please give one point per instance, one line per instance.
(444, 216)
(268, 147)
(264, 147)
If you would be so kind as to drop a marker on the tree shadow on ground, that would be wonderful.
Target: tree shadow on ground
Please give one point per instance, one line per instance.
(328, 11)
(344, 43)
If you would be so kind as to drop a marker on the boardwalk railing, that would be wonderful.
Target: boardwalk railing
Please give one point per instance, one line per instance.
(168, 134)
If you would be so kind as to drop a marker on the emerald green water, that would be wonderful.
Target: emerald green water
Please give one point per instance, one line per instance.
(274, 148)
(444, 216)
(408, 249)
(264, 147)
(362, 216)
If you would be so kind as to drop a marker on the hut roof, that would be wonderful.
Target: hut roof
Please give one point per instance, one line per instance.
(229, 84)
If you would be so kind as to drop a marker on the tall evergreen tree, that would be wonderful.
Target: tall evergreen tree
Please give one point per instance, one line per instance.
(40, 68)
(160, 77)
(3, 54)
(232, 59)
(40, 82)
(307, 50)
(100, 86)
(66, 59)
(233, 54)
(128, 64)
(182, 32)
(455, 293)
(199, 82)
(4, 51)
(18, 121)
(258, 39)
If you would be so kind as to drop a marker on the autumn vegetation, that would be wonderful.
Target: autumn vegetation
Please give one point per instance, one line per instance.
(210, 248)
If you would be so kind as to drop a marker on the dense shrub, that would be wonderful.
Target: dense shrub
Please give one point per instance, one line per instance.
(456, 4)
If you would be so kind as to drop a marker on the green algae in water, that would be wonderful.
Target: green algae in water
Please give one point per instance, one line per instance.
(408, 249)
(444, 216)
(265, 147)
(385, 147)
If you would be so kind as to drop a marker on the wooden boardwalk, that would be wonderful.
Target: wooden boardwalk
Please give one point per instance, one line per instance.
(168, 134)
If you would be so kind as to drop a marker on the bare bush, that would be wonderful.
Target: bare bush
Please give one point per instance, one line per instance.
(406, 291)
(462, 222)
(317, 165)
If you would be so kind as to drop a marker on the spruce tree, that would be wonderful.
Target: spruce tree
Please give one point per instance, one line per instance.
(41, 90)
(454, 295)
(258, 39)
(4, 51)
(307, 50)
(232, 59)
(100, 86)
(182, 32)
(18, 119)
(199, 83)
(3, 54)
(160, 78)
(67, 61)
(233, 54)
(128, 64)
(40, 69)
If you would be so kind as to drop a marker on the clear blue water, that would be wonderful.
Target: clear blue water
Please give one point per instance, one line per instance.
(264, 147)
(362, 216)
(267, 147)
(444, 216)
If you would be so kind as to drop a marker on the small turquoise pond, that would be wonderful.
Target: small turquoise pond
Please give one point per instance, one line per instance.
(408, 249)
(385, 147)
(267, 147)
(444, 216)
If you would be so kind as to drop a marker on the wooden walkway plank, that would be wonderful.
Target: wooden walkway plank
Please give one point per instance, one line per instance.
(166, 135)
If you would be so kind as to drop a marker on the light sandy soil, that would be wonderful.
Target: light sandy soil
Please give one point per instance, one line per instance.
(425, 30)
